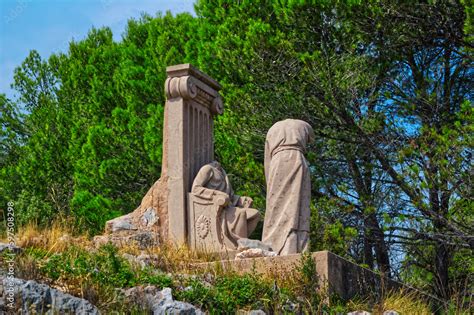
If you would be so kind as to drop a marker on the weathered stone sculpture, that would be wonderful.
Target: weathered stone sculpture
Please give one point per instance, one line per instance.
(192, 101)
(218, 217)
(287, 214)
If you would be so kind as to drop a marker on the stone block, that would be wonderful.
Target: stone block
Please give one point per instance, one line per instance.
(337, 274)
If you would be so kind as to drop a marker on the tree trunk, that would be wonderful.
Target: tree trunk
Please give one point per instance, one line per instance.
(368, 256)
(442, 260)
(381, 250)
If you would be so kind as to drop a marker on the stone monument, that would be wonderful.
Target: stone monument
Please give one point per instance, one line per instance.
(218, 218)
(287, 214)
(192, 101)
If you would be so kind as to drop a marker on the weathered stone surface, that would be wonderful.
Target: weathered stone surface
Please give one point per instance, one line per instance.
(391, 312)
(33, 296)
(123, 223)
(141, 295)
(4, 247)
(151, 216)
(143, 260)
(286, 225)
(65, 238)
(254, 253)
(245, 243)
(359, 313)
(251, 312)
(176, 307)
(159, 302)
(142, 239)
(3, 307)
(218, 218)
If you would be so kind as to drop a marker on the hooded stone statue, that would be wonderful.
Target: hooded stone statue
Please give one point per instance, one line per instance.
(287, 214)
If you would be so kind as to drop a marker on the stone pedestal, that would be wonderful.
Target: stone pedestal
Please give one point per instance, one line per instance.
(336, 274)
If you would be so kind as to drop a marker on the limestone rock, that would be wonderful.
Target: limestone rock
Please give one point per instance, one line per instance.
(246, 243)
(141, 295)
(65, 238)
(164, 304)
(4, 247)
(159, 302)
(123, 223)
(143, 260)
(148, 260)
(143, 239)
(145, 226)
(251, 312)
(254, 253)
(149, 216)
(42, 299)
(359, 313)
(391, 312)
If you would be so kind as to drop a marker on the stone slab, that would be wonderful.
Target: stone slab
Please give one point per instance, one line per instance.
(338, 275)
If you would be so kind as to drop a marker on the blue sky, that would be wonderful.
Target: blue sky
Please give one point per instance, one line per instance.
(49, 25)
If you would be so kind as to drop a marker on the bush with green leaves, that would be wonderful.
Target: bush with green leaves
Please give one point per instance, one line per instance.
(104, 267)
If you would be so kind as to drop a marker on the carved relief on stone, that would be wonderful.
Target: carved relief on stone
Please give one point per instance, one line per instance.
(203, 225)
(187, 87)
(184, 87)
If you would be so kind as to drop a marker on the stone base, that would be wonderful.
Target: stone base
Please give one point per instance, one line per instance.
(338, 275)
(146, 226)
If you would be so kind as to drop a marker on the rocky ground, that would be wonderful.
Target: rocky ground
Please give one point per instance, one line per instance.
(52, 282)
(31, 297)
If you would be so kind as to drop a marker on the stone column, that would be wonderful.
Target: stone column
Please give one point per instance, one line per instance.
(192, 100)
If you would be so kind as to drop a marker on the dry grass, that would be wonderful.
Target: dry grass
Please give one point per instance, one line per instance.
(171, 258)
(55, 238)
(359, 305)
(61, 235)
(61, 238)
(404, 302)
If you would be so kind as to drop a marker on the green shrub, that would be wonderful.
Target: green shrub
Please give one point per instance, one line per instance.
(228, 293)
(104, 267)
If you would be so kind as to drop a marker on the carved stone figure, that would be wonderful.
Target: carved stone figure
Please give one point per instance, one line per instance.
(287, 214)
(218, 217)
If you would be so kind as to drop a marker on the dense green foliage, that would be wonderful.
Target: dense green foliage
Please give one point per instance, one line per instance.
(386, 85)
